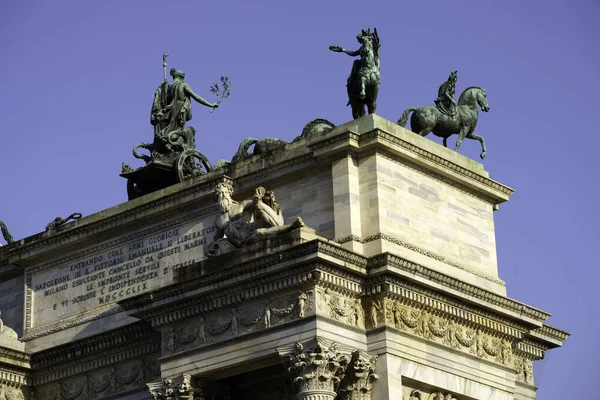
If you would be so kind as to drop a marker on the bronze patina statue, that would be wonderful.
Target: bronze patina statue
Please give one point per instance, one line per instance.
(363, 82)
(445, 101)
(443, 123)
(59, 221)
(243, 223)
(173, 156)
(6, 234)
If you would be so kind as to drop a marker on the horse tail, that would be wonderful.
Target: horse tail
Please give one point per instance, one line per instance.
(404, 117)
(243, 149)
(6, 234)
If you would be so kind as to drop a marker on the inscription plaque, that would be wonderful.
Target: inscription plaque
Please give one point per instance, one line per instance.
(137, 263)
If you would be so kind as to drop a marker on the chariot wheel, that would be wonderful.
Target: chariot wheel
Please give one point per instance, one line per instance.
(190, 163)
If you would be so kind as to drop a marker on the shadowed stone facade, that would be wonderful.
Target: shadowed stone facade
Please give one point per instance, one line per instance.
(390, 290)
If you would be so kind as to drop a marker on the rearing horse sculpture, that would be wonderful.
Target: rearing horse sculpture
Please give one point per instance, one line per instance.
(428, 119)
(363, 82)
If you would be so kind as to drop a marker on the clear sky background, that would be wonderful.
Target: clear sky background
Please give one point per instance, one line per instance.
(77, 79)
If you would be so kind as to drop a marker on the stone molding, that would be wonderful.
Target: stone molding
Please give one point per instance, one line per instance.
(355, 264)
(116, 379)
(417, 249)
(495, 328)
(226, 325)
(135, 209)
(103, 350)
(383, 259)
(465, 179)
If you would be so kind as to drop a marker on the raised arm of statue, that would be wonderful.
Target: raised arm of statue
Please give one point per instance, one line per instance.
(339, 49)
(199, 99)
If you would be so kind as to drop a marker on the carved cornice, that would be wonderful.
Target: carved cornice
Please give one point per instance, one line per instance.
(241, 179)
(15, 356)
(442, 162)
(227, 297)
(131, 342)
(133, 210)
(430, 254)
(359, 144)
(13, 377)
(65, 323)
(553, 336)
(129, 238)
(237, 270)
(475, 292)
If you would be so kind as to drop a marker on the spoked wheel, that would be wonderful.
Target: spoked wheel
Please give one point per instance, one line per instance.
(190, 164)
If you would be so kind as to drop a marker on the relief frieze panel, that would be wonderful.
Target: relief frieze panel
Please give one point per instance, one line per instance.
(237, 321)
(338, 307)
(121, 378)
(446, 330)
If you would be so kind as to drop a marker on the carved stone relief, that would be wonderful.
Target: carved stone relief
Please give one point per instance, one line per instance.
(322, 370)
(341, 308)
(524, 370)
(10, 393)
(451, 332)
(179, 388)
(237, 321)
(414, 394)
(106, 382)
(359, 378)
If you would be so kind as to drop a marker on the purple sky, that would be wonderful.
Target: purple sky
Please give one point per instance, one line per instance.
(78, 79)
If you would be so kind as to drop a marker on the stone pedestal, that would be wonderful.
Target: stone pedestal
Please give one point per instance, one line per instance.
(392, 288)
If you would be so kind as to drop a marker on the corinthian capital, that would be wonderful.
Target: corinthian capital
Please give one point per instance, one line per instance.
(179, 388)
(317, 368)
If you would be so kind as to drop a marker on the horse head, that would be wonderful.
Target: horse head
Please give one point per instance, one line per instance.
(365, 37)
(474, 96)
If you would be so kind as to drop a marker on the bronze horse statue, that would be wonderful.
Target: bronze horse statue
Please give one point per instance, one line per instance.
(363, 82)
(428, 119)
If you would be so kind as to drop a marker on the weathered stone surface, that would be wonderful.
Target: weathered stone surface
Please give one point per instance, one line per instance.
(401, 264)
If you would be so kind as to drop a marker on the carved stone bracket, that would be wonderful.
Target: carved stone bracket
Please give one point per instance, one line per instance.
(179, 388)
(321, 370)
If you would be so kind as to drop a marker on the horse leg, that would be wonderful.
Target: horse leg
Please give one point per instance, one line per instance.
(461, 137)
(446, 142)
(372, 105)
(481, 140)
(363, 84)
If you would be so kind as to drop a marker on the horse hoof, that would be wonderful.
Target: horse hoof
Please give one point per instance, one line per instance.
(482, 155)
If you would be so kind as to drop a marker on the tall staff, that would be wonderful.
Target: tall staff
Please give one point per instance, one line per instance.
(163, 95)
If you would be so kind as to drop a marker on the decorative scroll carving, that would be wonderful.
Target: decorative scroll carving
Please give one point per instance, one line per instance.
(173, 389)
